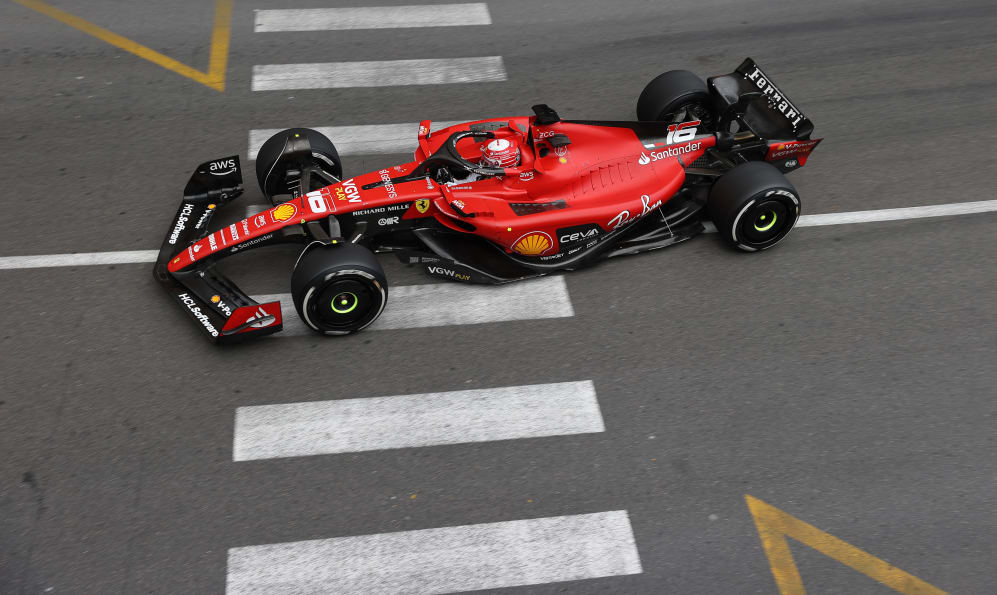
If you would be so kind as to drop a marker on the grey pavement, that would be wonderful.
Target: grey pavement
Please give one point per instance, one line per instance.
(846, 377)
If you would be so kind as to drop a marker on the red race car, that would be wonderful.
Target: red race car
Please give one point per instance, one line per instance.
(496, 200)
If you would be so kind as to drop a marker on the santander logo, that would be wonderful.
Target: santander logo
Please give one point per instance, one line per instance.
(643, 159)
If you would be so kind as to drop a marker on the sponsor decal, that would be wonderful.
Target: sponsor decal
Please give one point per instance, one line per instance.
(203, 219)
(348, 191)
(245, 226)
(561, 151)
(259, 221)
(448, 273)
(582, 233)
(552, 256)
(790, 149)
(222, 168)
(253, 242)
(197, 248)
(217, 300)
(792, 163)
(283, 212)
(387, 221)
(775, 97)
(190, 253)
(459, 204)
(526, 176)
(423, 131)
(644, 158)
(232, 231)
(185, 212)
(422, 205)
(211, 242)
(624, 217)
(533, 243)
(544, 134)
(429, 183)
(388, 185)
(196, 311)
(375, 210)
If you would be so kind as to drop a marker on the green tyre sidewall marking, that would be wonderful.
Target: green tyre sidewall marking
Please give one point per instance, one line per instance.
(341, 296)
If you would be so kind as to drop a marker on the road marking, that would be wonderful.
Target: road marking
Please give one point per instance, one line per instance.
(383, 73)
(445, 304)
(409, 421)
(358, 140)
(372, 17)
(73, 260)
(899, 214)
(149, 256)
(961, 208)
(217, 61)
(442, 560)
(775, 525)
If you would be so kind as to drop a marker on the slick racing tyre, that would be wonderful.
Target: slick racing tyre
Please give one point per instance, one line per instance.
(676, 96)
(271, 168)
(338, 289)
(753, 206)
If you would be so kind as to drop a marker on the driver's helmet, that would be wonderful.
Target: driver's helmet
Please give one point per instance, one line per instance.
(500, 152)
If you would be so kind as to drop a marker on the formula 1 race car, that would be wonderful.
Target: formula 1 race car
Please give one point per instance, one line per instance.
(496, 200)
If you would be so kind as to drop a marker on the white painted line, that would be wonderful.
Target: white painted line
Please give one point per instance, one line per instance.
(358, 140)
(73, 260)
(441, 560)
(149, 256)
(445, 304)
(960, 208)
(384, 73)
(409, 421)
(372, 17)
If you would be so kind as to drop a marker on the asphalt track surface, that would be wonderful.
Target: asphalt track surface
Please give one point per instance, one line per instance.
(846, 377)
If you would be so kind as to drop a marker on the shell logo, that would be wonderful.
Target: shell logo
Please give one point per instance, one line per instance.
(284, 212)
(534, 243)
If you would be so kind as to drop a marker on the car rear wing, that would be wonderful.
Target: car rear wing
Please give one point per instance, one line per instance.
(750, 93)
(218, 307)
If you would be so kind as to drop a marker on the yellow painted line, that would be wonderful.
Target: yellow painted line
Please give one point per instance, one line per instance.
(775, 525)
(214, 77)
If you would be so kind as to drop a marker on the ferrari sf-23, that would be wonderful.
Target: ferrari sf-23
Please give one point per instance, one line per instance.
(496, 200)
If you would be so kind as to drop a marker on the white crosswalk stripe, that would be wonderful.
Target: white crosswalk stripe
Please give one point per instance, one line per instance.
(441, 560)
(357, 140)
(372, 17)
(382, 73)
(431, 419)
(846, 218)
(444, 304)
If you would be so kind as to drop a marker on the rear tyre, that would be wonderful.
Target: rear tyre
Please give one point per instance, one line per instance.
(338, 289)
(676, 96)
(272, 166)
(753, 206)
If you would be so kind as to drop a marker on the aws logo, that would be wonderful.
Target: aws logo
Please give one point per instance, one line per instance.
(222, 168)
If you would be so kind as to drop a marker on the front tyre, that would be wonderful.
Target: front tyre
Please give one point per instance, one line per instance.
(338, 289)
(272, 165)
(753, 206)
